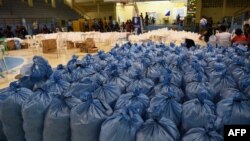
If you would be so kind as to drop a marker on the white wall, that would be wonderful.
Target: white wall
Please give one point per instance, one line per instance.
(126, 12)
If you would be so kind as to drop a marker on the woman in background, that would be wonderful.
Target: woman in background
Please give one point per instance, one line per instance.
(247, 33)
(239, 38)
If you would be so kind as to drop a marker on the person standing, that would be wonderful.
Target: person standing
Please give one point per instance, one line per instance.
(247, 33)
(178, 19)
(239, 38)
(203, 24)
(142, 19)
(146, 19)
(35, 27)
(223, 38)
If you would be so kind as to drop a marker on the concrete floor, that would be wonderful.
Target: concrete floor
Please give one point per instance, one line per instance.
(53, 59)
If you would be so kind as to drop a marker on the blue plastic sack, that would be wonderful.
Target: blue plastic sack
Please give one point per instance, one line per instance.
(107, 92)
(33, 112)
(135, 99)
(56, 85)
(118, 78)
(57, 119)
(229, 92)
(99, 73)
(158, 130)
(190, 77)
(85, 85)
(176, 77)
(198, 112)
(83, 70)
(222, 80)
(165, 87)
(194, 88)
(72, 64)
(86, 118)
(121, 126)
(201, 134)
(233, 110)
(167, 107)
(40, 68)
(244, 84)
(3, 96)
(13, 128)
(138, 80)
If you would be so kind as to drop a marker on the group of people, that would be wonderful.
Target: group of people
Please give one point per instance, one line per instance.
(7, 32)
(222, 37)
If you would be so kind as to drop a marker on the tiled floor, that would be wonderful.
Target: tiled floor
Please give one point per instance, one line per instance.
(53, 59)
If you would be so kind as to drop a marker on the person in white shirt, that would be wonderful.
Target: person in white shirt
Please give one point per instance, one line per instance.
(223, 38)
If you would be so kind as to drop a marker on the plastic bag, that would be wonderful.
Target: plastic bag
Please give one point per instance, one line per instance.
(135, 99)
(40, 68)
(194, 88)
(33, 112)
(158, 130)
(57, 119)
(11, 116)
(244, 84)
(118, 78)
(3, 96)
(165, 88)
(233, 110)
(138, 80)
(198, 112)
(86, 118)
(167, 107)
(107, 92)
(84, 70)
(201, 134)
(85, 85)
(56, 85)
(121, 126)
(222, 80)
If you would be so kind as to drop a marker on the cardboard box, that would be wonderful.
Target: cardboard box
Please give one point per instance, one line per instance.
(88, 46)
(70, 44)
(49, 45)
(24, 45)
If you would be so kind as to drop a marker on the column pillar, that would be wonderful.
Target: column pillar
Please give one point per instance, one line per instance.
(53, 3)
(98, 10)
(198, 11)
(224, 8)
(1, 2)
(46, 1)
(30, 3)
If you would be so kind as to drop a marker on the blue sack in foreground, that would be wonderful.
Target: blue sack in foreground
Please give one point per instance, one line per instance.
(166, 87)
(57, 119)
(158, 130)
(56, 85)
(33, 112)
(166, 106)
(136, 99)
(138, 80)
(118, 78)
(86, 118)
(41, 68)
(121, 126)
(201, 134)
(198, 112)
(233, 110)
(11, 116)
(107, 92)
(3, 96)
(244, 84)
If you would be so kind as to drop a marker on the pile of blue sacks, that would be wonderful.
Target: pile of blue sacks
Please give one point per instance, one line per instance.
(135, 92)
